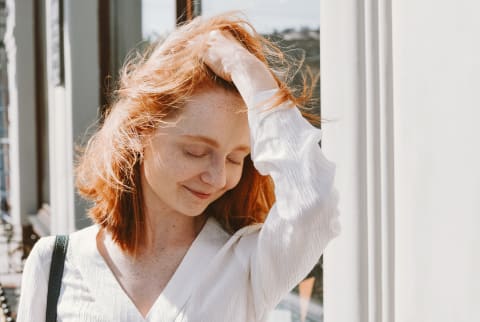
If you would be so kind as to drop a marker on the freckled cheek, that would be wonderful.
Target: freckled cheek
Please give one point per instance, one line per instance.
(233, 180)
(184, 168)
(166, 166)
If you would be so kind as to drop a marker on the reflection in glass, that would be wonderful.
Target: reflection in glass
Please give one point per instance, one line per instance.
(158, 18)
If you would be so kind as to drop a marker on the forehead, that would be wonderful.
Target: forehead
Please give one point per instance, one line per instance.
(214, 112)
(214, 99)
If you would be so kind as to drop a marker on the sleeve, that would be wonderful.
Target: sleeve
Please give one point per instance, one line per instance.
(304, 217)
(33, 294)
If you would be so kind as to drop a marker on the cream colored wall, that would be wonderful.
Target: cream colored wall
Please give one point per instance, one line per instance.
(401, 79)
(437, 161)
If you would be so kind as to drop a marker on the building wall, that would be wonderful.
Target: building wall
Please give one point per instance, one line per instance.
(437, 84)
(4, 142)
(19, 43)
(73, 109)
(401, 80)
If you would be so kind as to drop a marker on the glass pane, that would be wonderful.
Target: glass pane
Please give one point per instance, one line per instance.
(4, 141)
(158, 18)
(295, 25)
(270, 15)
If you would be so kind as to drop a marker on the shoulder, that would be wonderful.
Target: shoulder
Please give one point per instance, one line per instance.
(41, 254)
(84, 233)
(217, 232)
(242, 243)
(38, 261)
(34, 285)
(244, 239)
(42, 251)
(82, 244)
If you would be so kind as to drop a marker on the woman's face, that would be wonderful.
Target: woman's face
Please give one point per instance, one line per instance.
(189, 165)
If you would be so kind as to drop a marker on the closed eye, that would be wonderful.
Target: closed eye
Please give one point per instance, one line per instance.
(195, 155)
(234, 162)
(201, 154)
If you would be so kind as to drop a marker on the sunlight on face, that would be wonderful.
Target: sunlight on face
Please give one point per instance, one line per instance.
(189, 165)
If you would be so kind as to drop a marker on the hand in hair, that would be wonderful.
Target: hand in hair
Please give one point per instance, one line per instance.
(227, 58)
(223, 54)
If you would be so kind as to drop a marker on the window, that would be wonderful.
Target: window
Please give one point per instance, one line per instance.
(158, 18)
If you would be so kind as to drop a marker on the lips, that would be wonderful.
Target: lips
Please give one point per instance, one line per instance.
(198, 194)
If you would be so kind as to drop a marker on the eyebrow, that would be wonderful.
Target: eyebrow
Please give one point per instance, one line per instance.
(212, 142)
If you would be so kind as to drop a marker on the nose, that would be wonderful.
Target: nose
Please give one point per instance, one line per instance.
(215, 175)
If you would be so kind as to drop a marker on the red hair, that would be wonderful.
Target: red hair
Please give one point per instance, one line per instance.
(151, 86)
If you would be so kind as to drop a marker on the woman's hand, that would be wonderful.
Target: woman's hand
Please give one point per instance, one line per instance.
(224, 54)
(231, 61)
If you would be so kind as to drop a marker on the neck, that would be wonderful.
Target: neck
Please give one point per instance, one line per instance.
(168, 229)
(169, 235)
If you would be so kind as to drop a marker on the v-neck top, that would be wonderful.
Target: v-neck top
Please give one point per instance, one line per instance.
(222, 277)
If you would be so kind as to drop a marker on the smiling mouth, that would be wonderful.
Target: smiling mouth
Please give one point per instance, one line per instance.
(198, 194)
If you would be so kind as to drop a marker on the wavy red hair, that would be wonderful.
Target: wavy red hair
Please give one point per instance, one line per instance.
(151, 86)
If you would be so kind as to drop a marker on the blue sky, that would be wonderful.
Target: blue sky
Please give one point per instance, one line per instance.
(158, 16)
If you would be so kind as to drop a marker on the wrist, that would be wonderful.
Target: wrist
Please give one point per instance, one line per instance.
(251, 76)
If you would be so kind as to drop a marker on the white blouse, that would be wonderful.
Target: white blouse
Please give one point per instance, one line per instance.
(222, 277)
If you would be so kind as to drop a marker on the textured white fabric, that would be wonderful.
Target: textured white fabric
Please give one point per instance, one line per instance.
(239, 277)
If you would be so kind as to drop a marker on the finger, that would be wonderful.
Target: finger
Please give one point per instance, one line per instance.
(198, 40)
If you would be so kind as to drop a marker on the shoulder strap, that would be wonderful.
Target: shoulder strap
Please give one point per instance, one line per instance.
(55, 278)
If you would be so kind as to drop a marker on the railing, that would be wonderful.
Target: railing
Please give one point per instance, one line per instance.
(6, 313)
(11, 266)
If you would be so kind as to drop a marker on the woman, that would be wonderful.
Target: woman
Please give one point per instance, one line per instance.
(188, 223)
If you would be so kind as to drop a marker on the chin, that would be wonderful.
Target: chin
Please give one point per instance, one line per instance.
(192, 212)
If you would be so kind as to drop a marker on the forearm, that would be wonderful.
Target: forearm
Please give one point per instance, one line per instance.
(304, 217)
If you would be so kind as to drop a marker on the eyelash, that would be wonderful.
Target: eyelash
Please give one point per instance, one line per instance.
(198, 156)
(194, 155)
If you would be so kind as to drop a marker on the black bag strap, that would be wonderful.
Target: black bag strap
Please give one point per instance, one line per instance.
(55, 278)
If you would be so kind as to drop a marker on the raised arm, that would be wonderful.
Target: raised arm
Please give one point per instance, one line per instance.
(285, 146)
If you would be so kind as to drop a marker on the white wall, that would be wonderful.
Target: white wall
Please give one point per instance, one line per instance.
(437, 144)
(339, 67)
(402, 81)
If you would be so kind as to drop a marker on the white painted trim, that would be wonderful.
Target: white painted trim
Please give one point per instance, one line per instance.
(379, 145)
(356, 61)
(59, 135)
(72, 109)
(22, 133)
